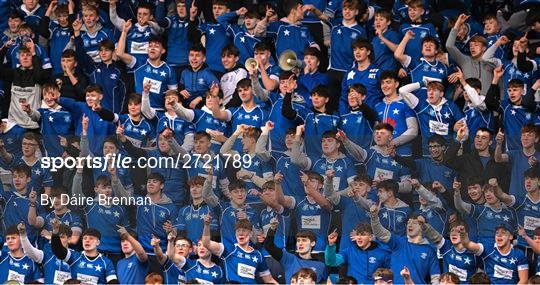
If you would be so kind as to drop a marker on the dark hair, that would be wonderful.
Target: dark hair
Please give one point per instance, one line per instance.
(452, 277)
(320, 90)
(384, 126)
(484, 129)
(480, 278)
(313, 51)
(307, 272)
(437, 139)
(385, 14)
(474, 83)
(57, 191)
(69, 53)
(181, 237)
(306, 234)
(198, 47)
(72, 281)
(532, 172)
(158, 40)
(284, 75)
(459, 223)
(22, 168)
(388, 74)
(92, 232)
(236, 184)
(134, 98)
(290, 5)
(156, 176)
(363, 228)
(244, 84)
(347, 280)
(363, 43)
(351, 4)
(202, 134)
(103, 180)
(144, 5)
(389, 185)
(516, 83)
(15, 15)
(243, 224)
(430, 39)
(93, 88)
(32, 136)
(358, 87)
(475, 180)
(12, 231)
(50, 86)
(65, 230)
(261, 46)
(363, 177)
(314, 175)
(330, 134)
(230, 49)
(252, 14)
(197, 180)
(106, 45)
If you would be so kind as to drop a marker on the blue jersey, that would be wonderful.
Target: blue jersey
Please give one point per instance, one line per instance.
(514, 117)
(255, 117)
(12, 138)
(477, 118)
(363, 263)
(107, 76)
(205, 121)
(420, 258)
(334, 9)
(162, 77)
(344, 173)
(228, 220)
(177, 41)
(382, 167)
(414, 46)
(244, 41)
(15, 209)
(203, 274)
(487, 217)
(528, 216)
(435, 217)
(105, 219)
(69, 218)
(59, 39)
(291, 263)
(431, 170)
(277, 135)
(310, 216)
(341, 39)
(316, 124)
(23, 269)
(291, 184)
(503, 268)
(197, 83)
(307, 83)
(217, 37)
(131, 270)
(98, 129)
(310, 17)
(282, 232)
(421, 70)
(98, 270)
(243, 266)
(32, 18)
(179, 127)
(260, 168)
(41, 53)
(140, 134)
(175, 175)
(137, 41)
(437, 120)
(368, 77)
(395, 219)
(354, 215)
(55, 270)
(396, 114)
(150, 220)
(91, 42)
(491, 39)
(511, 71)
(190, 219)
(462, 263)
(519, 162)
(54, 123)
(290, 37)
(384, 57)
(41, 176)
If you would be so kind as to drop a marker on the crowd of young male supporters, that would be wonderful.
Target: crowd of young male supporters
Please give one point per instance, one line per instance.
(403, 148)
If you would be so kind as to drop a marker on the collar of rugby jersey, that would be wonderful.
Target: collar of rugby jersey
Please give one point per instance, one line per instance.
(24, 9)
(45, 106)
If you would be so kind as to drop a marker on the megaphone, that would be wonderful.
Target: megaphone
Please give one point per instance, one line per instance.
(288, 60)
(251, 65)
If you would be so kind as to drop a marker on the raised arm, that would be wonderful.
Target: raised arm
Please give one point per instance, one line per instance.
(461, 206)
(121, 53)
(261, 148)
(208, 193)
(379, 231)
(35, 254)
(298, 157)
(137, 247)
(454, 52)
(183, 113)
(429, 232)
(399, 52)
(356, 151)
(431, 198)
(474, 247)
(214, 247)
(113, 16)
(499, 156)
(489, 54)
(160, 256)
(408, 97)
(269, 245)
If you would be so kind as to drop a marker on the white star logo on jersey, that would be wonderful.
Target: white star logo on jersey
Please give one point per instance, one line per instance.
(351, 75)
(146, 34)
(214, 274)
(255, 118)
(212, 31)
(446, 115)
(339, 31)
(339, 169)
(344, 121)
(98, 268)
(257, 163)
(146, 210)
(255, 259)
(25, 266)
(242, 39)
(513, 112)
(441, 71)
(116, 214)
(316, 121)
(506, 218)
(286, 165)
(143, 132)
(385, 215)
(37, 172)
(66, 223)
(394, 163)
(287, 33)
(467, 260)
(163, 73)
(526, 75)
(51, 119)
(513, 260)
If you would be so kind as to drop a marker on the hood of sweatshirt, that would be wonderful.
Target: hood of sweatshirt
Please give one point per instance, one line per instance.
(99, 26)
